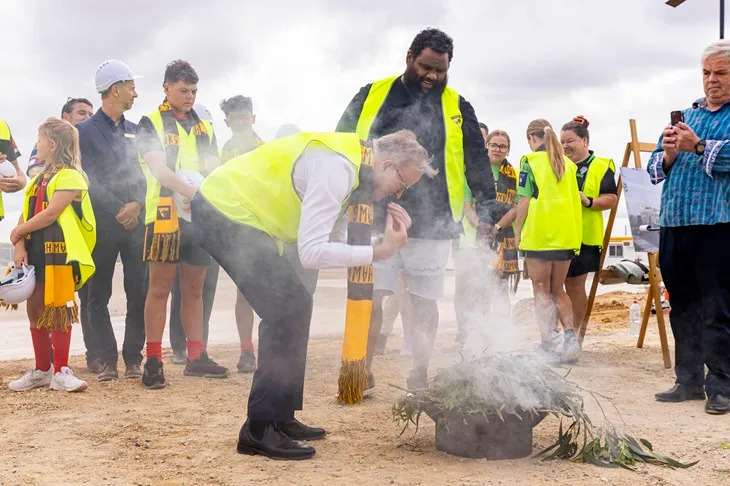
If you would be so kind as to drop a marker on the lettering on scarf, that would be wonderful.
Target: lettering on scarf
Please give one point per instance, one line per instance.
(362, 275)
(55, 247)
(360, 213)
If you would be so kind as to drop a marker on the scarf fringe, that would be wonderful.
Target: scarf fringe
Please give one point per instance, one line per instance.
(352, 381)
(10, 307)
(58, 318)
(165, 247)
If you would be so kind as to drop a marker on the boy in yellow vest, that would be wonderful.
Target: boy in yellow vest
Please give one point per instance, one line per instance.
(172, 138)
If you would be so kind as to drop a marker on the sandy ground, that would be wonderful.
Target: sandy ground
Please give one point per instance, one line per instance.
(118, 433)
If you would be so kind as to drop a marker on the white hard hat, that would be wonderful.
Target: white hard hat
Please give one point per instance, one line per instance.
(203, 112)
(110, 72)
(191, 178)
(17, 286)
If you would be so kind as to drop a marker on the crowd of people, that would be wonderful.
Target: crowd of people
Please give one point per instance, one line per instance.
(409, 156)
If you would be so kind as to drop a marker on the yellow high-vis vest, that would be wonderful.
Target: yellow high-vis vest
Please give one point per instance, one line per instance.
(4, 135)
(256, 189)
(554, 218)
(453, 145)
(79, 235)
(187, 158)
(592, 219)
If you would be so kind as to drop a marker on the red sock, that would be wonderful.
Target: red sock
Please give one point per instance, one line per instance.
(154, 350)
(61, 341)
(40, 348)
(194, 350)
(246, 345)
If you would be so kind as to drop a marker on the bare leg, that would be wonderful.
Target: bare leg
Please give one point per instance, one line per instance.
(557, 291)
(244, 318)
(540, 271)
(191, 288)
(376, 322)
(576, 288)
(425, 322)
(162, 276)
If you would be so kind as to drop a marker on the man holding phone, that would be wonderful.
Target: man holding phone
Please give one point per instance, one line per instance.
(693, 158)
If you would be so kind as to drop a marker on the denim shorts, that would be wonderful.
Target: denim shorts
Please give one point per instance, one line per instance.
(424, 263)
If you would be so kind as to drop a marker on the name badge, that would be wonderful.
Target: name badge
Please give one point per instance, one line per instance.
(130, 135)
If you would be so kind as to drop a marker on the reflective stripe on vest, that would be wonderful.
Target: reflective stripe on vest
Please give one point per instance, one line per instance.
(554, 219)
(256, 189)
(4, 135)
(453, 146)
(592, 219)
(187, 158)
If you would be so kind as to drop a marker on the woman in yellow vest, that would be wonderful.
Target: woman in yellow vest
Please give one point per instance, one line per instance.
(548, 229)
(55, 234)
(597, 193)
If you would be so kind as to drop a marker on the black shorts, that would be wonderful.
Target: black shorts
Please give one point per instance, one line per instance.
(551, 255)
(588, 261)
(37, 257)
(190, 252)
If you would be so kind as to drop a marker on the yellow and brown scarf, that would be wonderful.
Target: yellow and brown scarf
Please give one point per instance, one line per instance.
(507, 256)
(61, 278)
(164, 244)
(353, 374)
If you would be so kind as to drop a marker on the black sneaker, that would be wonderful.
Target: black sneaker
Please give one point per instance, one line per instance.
(205, 367)
(153, 377)
(247, 362)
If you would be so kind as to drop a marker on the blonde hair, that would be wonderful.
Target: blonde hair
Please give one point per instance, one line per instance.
(542, 130)
(65, 137)
(405, 151)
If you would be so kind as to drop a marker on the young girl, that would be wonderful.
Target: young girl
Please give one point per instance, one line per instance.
(55, 234)
(549, 229)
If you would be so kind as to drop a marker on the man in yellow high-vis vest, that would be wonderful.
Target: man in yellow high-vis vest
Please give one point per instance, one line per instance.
(9, 153)
(446, 125)
(170, 139)
(314, 190)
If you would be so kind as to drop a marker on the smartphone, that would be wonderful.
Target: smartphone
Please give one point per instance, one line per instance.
(676, 117)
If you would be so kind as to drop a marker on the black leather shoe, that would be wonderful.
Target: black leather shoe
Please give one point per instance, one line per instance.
(298, 431)
(717, 405)
(272, 443)
(681, 393)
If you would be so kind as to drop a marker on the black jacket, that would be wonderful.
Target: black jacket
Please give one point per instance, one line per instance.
(109, 158)
(427, 202)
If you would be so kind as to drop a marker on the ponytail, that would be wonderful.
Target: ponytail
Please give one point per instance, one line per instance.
(555, 152)
(542, 129)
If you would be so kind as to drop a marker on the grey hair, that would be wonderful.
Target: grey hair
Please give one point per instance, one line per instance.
(403, 148)
(718, 48)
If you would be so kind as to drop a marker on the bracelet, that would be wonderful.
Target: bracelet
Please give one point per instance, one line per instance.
(590, 202)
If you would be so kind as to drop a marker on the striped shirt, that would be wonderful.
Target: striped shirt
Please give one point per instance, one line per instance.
(697, 188)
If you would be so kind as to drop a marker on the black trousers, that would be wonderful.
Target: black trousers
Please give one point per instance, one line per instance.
(272, 287)
(90, 343)
(696, 271)
(112, 240)
(177, 331)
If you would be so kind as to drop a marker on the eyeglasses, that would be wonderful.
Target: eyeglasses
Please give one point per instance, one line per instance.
(402, 182)
(501, 148)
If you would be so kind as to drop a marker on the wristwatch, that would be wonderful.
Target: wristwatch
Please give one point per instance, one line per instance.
(700, 147)
(499, 228)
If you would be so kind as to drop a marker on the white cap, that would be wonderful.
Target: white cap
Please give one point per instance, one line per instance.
(203, 112)
(110, 72)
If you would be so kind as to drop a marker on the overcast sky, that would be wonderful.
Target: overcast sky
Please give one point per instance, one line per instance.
(302, 62)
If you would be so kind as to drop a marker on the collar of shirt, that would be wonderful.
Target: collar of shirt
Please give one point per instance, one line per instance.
(701, 104)
(109, 121)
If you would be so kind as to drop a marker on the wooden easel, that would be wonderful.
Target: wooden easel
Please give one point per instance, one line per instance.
(634, 147)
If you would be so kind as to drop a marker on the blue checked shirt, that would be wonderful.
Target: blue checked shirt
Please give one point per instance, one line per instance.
(697, 188)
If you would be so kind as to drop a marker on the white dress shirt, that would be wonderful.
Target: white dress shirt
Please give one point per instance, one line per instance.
(323, 179)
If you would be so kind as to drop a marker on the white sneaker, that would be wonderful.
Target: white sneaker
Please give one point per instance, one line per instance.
(66, 381)
(32, 379)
